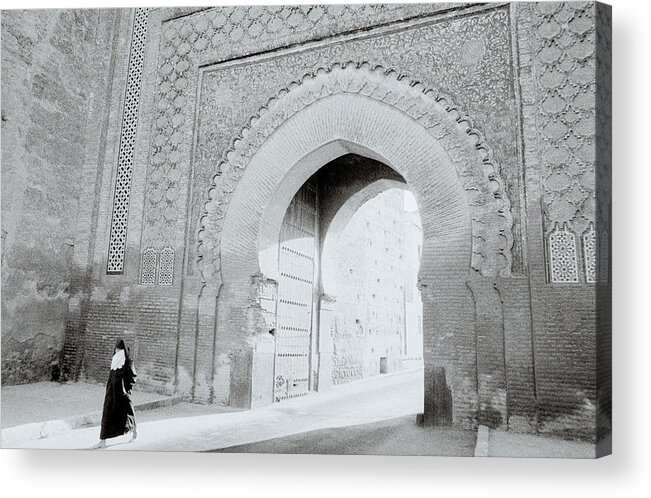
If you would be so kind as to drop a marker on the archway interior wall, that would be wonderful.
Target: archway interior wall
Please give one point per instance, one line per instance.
(339, 183)
(372, 312)
(332, 226)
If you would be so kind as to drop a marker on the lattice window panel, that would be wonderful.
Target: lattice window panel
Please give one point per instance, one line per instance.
(562, 255)
(120, 214)
(166, 266)
(148, 267)
(590, 254)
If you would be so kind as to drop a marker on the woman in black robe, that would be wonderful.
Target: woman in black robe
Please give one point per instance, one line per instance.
(118, 417)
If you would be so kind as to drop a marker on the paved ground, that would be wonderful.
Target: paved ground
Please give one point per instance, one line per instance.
(508, 444)
(399, 436)
(193, 428)
(374, 416)
(43, 401)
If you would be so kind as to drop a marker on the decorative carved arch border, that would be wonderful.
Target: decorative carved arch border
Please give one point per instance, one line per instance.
(492, 238)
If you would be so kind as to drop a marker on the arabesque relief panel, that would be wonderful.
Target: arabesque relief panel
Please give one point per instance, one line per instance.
(457, 55)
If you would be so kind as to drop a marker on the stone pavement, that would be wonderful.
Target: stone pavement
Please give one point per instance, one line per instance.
(44, 409)
(373, 416)
(186, 427)
(400, 436)
(509, 444)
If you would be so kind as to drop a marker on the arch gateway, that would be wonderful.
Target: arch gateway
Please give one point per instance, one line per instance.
(382, 115)
(214, 119)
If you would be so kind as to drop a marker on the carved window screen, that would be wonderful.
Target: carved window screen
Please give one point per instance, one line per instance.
(117, 240)
(166, 266)
(148, 267)
(562, 255)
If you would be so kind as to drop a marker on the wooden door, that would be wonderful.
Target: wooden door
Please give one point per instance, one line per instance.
(295, 293)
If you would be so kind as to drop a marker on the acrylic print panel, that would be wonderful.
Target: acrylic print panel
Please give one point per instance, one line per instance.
(342, 229)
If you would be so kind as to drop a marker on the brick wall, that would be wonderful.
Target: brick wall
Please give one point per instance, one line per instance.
(146, 318)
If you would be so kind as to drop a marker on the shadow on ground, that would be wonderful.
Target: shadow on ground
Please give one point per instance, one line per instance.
(399, 436)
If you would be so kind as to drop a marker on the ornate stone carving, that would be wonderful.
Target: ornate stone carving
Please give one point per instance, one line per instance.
(166, 266)
(118, 235)
(148, 267)
(595, 255)
(206, 37)
(562, 255)
(217, 34)
(564, 62)
(492, 220)
(231, 94)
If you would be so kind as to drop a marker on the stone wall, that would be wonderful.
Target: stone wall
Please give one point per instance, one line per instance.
(374, 276)
(558, 85)
(50, 67)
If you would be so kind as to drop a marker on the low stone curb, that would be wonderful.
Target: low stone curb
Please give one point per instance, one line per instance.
(481, 446)
(14, 437)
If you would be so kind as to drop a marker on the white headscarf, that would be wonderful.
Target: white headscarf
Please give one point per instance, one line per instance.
(118, 359)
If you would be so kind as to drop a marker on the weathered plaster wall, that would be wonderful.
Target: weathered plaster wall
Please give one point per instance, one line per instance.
(112, 306)
(374, 274)
(49, 70)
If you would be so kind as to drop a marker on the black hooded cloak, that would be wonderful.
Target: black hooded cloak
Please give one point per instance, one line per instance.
(118, 416)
